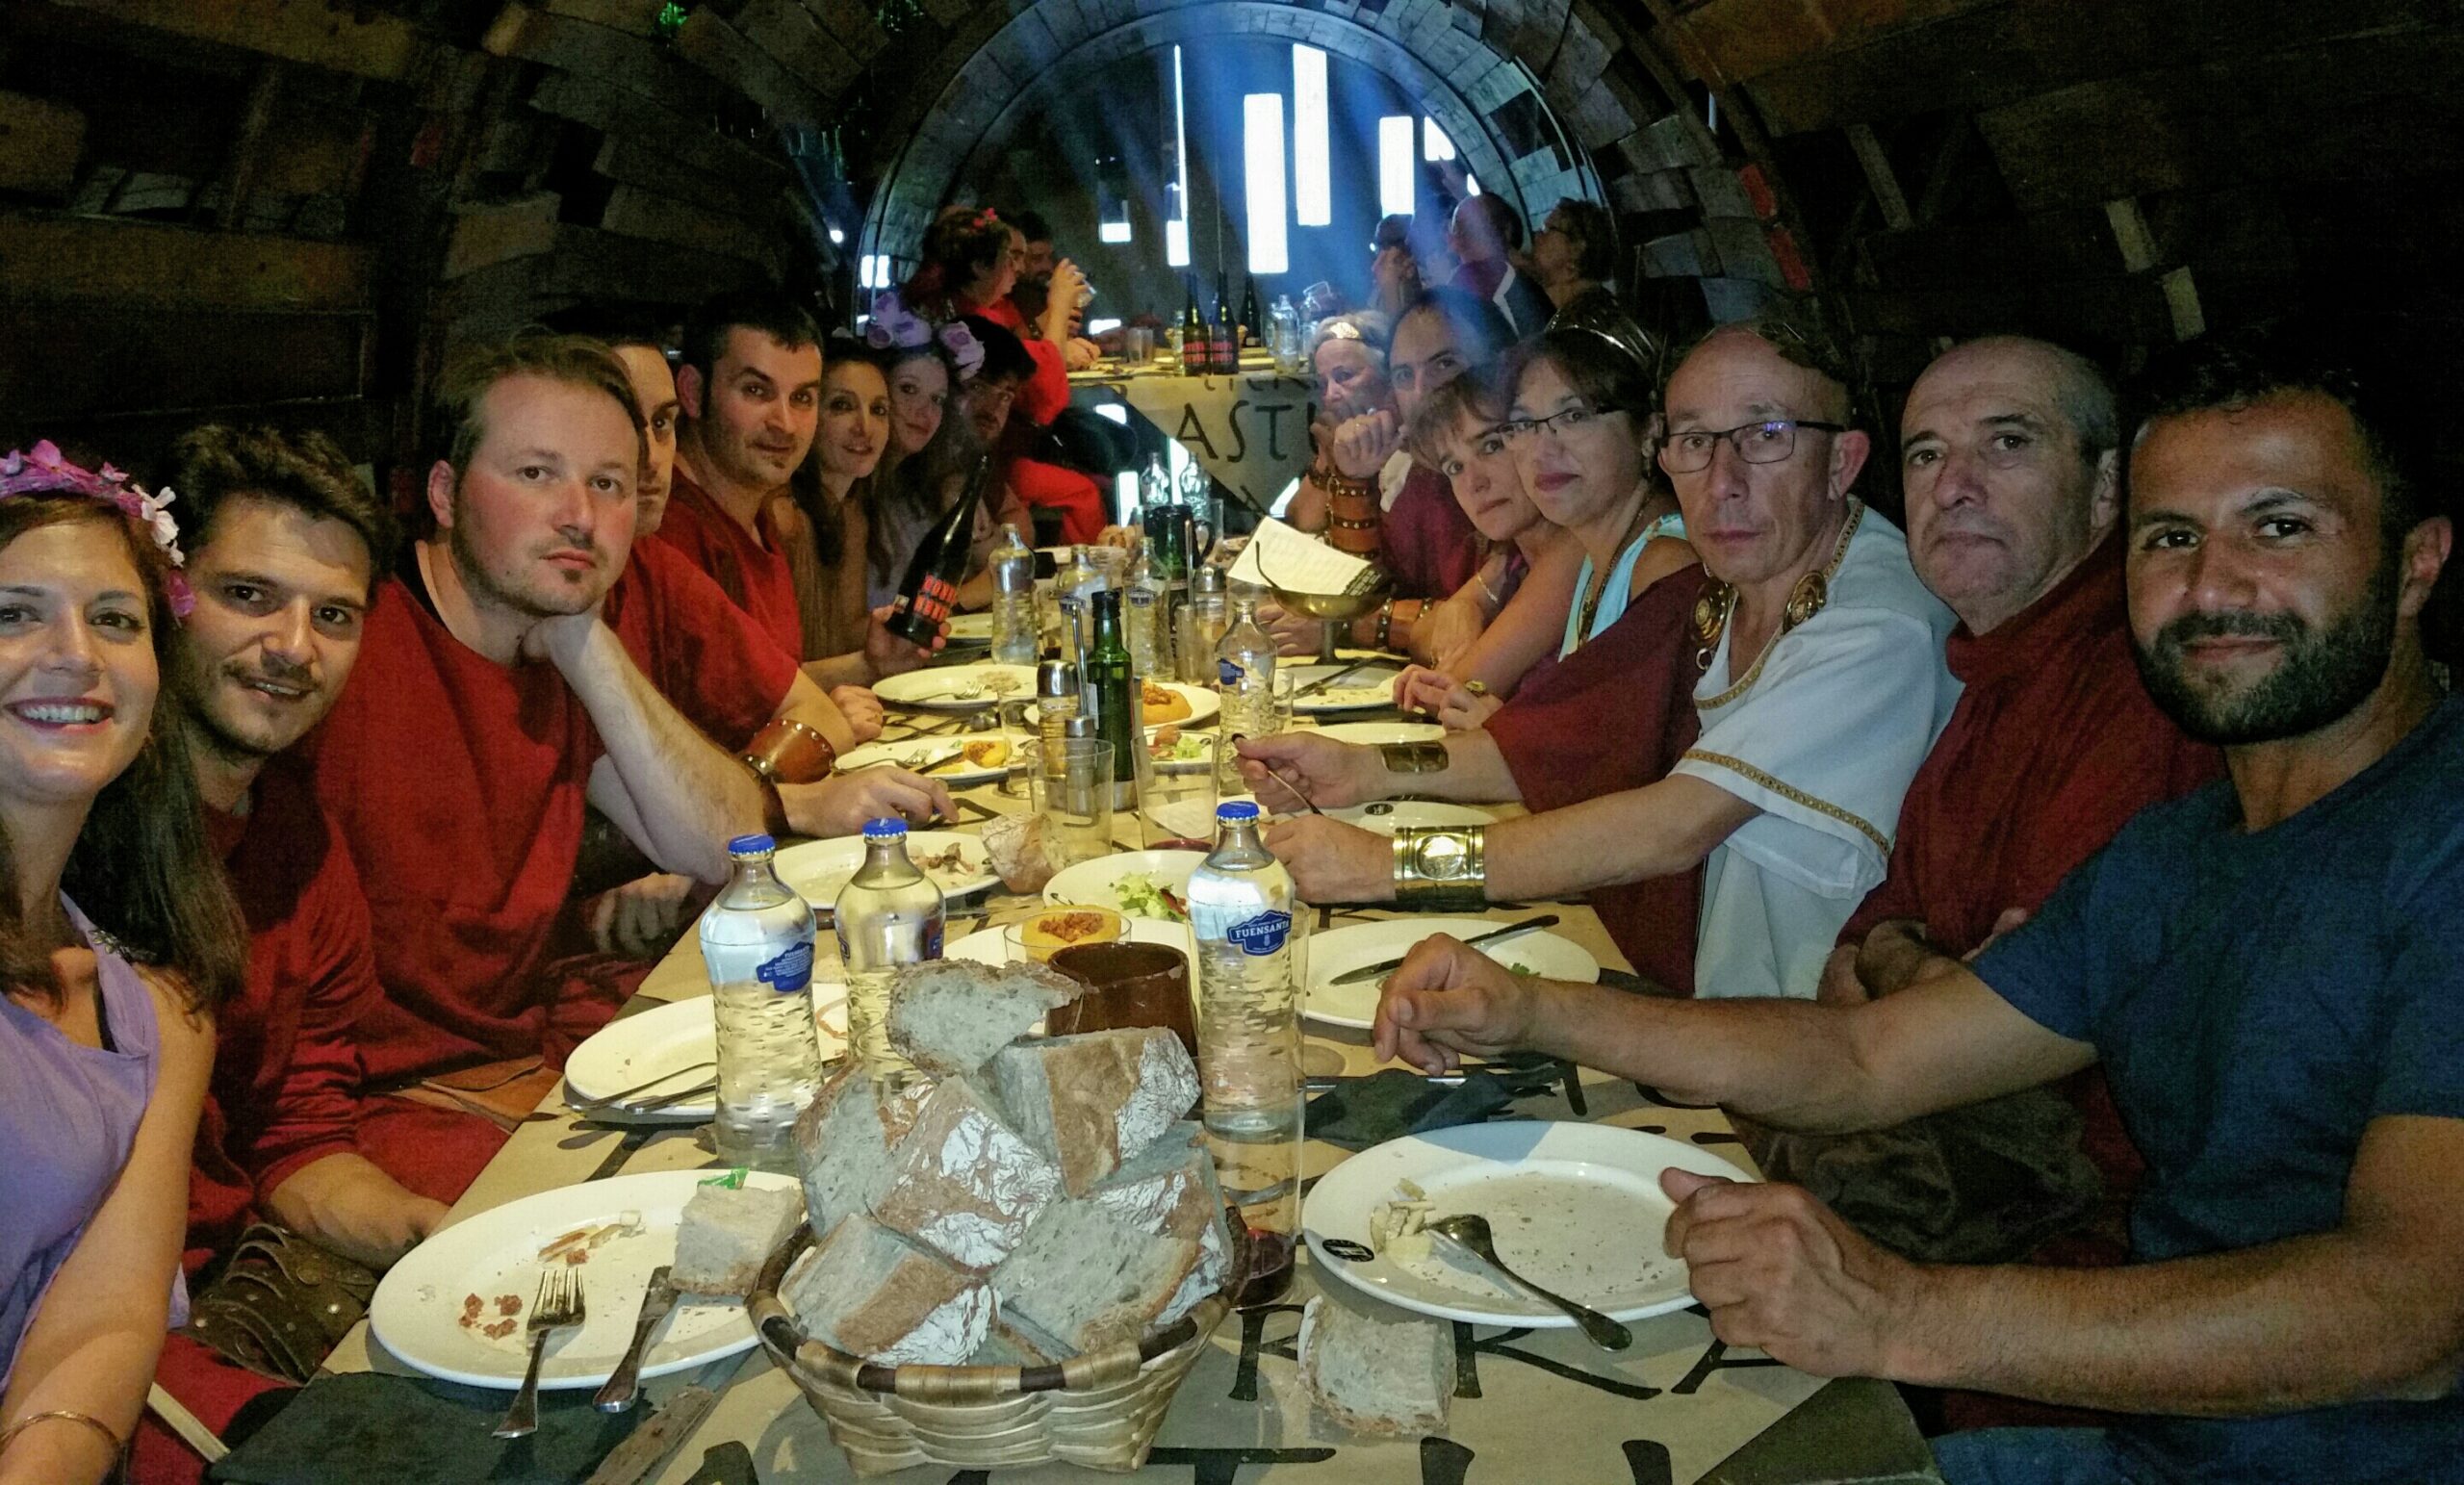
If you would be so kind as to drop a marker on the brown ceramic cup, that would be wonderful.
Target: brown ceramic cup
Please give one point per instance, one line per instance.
(1128, 985)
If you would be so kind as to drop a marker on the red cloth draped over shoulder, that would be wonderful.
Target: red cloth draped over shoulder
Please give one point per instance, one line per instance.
(1615, 715)
(1431, 546)
(720, 669)
(460, 785)
(750, 569)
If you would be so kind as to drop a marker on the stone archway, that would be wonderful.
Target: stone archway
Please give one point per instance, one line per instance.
(1494, 105)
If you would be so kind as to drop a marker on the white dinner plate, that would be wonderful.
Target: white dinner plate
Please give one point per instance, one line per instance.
(1364, 690)
(418, 1310)
(1335, 951)
(818, 868)
(916, 752)
(1376, 734)
(937, 688)
(1389, 815)
(975, 629)
(1204, 705)
(1096, 883)
(1576, 1208)
(670, 1043)
(985, 946)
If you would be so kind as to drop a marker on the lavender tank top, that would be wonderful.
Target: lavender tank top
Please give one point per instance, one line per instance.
(69, 1117)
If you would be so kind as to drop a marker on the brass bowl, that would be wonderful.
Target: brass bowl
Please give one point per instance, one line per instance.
(1337, 607)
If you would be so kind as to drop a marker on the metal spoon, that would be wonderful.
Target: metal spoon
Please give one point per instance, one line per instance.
(1472, 1233)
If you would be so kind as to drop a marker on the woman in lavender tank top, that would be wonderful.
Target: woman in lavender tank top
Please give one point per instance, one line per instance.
(102, 1066)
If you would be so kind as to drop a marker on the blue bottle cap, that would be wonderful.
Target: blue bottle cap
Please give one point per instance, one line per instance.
(884, 829)
(1237, 809)
(750, 845)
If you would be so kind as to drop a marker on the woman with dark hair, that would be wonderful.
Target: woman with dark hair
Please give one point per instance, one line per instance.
(831, 492)
(102, 1066)
(930, 455)
(972, 261)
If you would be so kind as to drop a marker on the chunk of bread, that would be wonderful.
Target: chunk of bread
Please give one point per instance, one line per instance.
(1015, 1341)
(1384, 1373)
(728, 1235)
(950, 1016)
(1090, 1279)
(871, 1293)
(965, 1184)
(1020, 850)
(843, 1141)
(1169, 1190)
(1093, 1101)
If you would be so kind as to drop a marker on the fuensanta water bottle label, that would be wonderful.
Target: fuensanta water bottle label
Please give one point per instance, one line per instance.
(1264, 933)
(792, 970)
(1227, 673)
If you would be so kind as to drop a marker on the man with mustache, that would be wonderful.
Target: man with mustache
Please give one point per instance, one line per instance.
(2268, 968)
(493, 708)
(1821, 686)
(750, 389)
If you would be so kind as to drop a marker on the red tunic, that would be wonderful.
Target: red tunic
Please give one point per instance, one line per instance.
(460, 785)
(1614, 715)
(1431, 546)
(750, 569)
(723, 672)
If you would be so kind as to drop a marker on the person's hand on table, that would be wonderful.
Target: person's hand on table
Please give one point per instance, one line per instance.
(840, 804)
(1448, 1001)
(1421, 687)
(1446, 628)
(1077, 354)
(861, 708)
(1294, 634)
(890, 655)
(1335, 773)
(643, 917)
(1331, 861)
(1364, 444)
(1780, 1272)
(1465, 710)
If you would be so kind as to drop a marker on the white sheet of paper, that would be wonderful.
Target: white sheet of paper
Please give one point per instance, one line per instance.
(1300, 563)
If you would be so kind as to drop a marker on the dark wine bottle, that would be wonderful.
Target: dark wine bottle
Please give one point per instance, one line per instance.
(931, 587)
(1250, 330)
(1197, 356)
(1224, 346)
(1112, 695)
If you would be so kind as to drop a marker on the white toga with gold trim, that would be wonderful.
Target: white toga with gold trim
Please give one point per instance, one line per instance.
(1822, 735)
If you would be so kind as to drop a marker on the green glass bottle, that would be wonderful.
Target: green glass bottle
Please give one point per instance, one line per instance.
(1111, 693)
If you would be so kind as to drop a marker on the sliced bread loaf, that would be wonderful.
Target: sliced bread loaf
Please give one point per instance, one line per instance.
(963, 1183)
(1091, 1101)
(844, 1141)
(951, 1016)
(1169, 1190)
(728, 1235)
(1088, 1279)
(871, 1293)
(1384, 1373)
(1015, 1341)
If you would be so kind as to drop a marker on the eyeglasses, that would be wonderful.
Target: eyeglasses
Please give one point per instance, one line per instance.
(1769, 442)
(1564, 421)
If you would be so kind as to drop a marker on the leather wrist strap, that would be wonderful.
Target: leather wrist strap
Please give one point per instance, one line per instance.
(786, 750)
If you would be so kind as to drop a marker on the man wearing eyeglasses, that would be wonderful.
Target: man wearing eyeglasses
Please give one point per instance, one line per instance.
(1822, 687)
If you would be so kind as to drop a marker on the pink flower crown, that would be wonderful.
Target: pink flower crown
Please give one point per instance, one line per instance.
(895, 324)
(43, 471)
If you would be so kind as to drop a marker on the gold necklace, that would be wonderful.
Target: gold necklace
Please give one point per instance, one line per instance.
(1599, 589)
(1718, 602)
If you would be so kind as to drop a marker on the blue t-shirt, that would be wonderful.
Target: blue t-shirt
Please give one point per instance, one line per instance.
(2257, 1000)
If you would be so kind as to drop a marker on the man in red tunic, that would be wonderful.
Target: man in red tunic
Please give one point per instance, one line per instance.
(2011, 472)
(750, 392)
(287, 545)
(494, 709)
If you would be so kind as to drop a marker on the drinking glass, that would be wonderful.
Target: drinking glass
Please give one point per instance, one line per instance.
(1175, 802)
(1072, 789)
(1128, 985)
(1286, 683)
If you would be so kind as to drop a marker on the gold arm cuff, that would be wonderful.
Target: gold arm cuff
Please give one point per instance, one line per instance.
(1441, 866)
(1415, 758)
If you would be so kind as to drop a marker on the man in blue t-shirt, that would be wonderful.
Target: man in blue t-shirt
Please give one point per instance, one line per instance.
(2272, 971)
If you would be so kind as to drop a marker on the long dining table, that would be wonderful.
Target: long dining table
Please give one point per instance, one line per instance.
(1530, 1405)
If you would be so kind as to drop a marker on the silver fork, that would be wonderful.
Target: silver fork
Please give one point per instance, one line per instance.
(560, 1306)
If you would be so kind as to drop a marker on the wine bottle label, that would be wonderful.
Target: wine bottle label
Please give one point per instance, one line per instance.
(789, 972)
(934, 603)
(1264, 933)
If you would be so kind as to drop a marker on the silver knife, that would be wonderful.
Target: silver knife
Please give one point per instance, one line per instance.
(1323, 682)
(626, 1385)
(1389, 966)
(656, 1436)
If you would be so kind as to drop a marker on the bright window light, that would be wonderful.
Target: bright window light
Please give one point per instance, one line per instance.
(1098, 327)
(1395, 165)
(1434, 143)
(1269, 203)
(1125, 494)
(1112, 232)
(836, 236)
(1312, 194)
(1176, 231)
(1471, 182)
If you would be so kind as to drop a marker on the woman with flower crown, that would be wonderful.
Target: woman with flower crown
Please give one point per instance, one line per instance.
(104, 867)
(930, 455)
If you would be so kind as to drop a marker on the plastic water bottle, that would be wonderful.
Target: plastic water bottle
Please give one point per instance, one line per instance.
(756, 944)
(1244, 679)
(1146, 618)
(889, 913)
(1015, 639)
(1285, 339)
(1249, 1038)
(1074, 588)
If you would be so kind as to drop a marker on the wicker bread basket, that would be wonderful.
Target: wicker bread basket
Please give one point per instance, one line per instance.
(1100, 1410)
